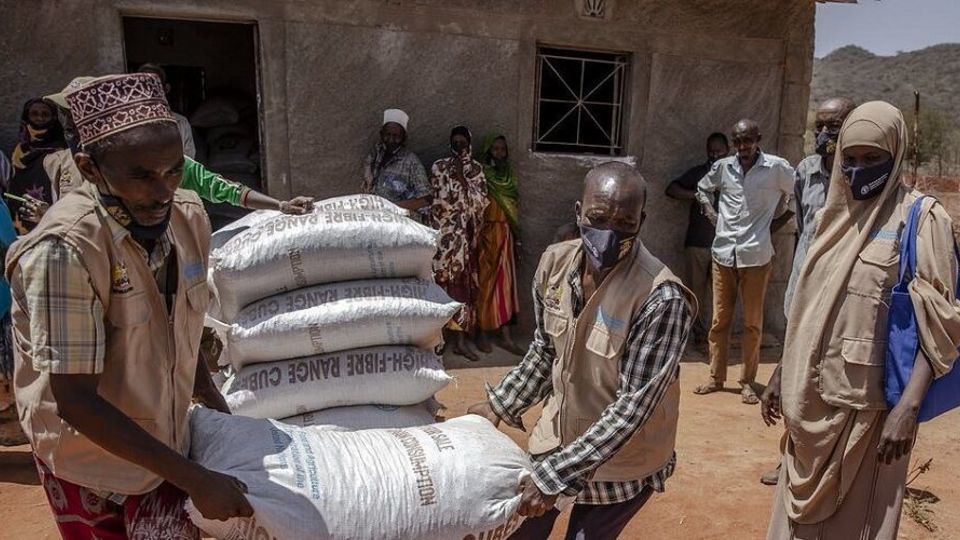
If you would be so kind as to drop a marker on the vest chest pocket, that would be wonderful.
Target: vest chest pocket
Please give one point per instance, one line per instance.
(854, 378)
(604, 343)
(191, 323)
(876, 268)
(554, 323)
(199, 297)
(129, 310)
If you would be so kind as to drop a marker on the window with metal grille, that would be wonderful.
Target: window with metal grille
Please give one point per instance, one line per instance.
(580, 101)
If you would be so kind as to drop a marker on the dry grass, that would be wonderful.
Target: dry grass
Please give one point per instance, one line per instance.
(917, 504)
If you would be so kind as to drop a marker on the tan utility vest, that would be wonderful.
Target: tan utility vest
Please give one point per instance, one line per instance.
(587, 367)
(63, 173)
(151, 355)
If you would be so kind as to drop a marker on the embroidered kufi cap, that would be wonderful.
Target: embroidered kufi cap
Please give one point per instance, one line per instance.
(109, 105)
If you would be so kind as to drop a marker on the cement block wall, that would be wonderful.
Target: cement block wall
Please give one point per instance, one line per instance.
(329, 67)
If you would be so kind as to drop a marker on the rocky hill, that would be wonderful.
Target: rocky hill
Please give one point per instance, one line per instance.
(863, 76)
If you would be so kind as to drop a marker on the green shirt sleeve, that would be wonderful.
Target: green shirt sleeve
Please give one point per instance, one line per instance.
(209, 185)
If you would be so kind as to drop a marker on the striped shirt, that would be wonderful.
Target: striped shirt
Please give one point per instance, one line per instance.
(53, 287)
(650, 363)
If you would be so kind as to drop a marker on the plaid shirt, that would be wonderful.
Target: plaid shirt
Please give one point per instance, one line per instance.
(401, 178)
(650, 363)
(52, 286)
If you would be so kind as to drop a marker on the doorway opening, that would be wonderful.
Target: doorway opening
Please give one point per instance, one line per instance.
(211, 70)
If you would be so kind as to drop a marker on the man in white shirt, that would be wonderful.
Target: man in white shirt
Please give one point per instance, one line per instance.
(755, 199)
(186, 132)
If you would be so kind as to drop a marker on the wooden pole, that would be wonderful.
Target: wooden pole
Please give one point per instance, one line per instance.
(916, 133)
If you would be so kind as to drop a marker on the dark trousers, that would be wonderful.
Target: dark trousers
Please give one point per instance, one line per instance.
(587, 521)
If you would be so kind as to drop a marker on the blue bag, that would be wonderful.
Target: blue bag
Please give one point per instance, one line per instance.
(903, 341)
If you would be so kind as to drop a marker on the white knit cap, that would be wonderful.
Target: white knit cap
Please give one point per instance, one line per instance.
(396, 116)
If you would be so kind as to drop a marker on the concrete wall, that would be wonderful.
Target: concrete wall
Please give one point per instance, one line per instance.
(329, 67)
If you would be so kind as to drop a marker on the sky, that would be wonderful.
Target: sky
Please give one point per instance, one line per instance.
(885, 27)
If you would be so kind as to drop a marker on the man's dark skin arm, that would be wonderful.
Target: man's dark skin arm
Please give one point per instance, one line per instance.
(779, 222)
(415, 204)
(216, 496)
(205, 392)
(676, 191)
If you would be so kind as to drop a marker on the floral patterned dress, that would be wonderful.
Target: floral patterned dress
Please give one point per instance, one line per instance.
(457, 212)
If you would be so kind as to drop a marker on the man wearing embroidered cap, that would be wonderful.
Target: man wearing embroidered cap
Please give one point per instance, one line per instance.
(109, 300)
(392, 171)
(209, 185)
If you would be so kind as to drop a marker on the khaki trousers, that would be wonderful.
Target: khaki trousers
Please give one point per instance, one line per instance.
(751, 286)
(699, 260)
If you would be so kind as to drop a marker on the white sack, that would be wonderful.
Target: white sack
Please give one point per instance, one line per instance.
(368, 417)
(454, 480)
(382, 375)
(347, 202)
(285, 253)
(216, 111)
(336, 317)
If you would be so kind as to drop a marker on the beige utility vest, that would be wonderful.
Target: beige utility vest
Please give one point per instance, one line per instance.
(589, 349)
(151, 354)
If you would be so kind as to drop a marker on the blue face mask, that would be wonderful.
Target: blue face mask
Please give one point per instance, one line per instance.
(867, 182)
(604, 247)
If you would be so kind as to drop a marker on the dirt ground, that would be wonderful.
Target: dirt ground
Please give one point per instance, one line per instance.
(723, 448)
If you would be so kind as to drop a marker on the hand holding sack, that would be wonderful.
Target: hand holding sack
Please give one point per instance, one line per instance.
(452, 480)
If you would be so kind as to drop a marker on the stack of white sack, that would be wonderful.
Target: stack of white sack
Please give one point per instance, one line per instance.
(453, 480)
(374, 376)
(282, 253)
(333, 309)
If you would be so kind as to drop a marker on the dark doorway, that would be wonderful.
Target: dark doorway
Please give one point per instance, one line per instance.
(212, 72)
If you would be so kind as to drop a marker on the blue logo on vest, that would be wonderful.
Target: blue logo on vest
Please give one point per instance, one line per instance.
(193, 271)
(610, 321)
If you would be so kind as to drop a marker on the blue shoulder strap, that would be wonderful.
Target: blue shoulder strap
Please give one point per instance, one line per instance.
(908, 244)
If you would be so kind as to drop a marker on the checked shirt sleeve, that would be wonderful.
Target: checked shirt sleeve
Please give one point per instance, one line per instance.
(529, 382)
(651, 363)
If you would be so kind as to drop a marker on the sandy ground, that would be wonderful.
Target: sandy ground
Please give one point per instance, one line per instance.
(723, 448)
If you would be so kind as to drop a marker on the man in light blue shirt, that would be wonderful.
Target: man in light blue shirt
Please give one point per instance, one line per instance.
(755, 191)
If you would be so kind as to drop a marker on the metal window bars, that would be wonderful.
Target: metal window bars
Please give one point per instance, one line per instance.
(596, 131)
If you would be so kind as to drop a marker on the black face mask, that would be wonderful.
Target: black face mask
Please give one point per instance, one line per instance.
(826, 143)
(604, 247)
(867, 182)
(119, 211)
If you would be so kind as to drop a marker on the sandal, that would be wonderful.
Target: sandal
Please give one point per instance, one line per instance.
(748, 396)
(708, 388)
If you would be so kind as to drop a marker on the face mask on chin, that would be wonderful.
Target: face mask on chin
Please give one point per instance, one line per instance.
(604, 247)
(119, 211)
(868, 182)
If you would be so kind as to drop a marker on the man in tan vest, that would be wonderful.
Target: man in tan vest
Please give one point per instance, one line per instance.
(109, 300)
(612, 322)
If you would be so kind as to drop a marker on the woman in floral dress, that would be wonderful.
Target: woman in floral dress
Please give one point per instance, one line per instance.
(459, 201)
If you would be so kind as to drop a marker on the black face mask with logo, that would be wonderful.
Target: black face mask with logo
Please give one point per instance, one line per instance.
(604, 247)
(868, 182)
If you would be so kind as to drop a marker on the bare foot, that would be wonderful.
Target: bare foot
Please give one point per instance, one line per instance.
(748, 396)
(464, 347)
(505, 341)
(483, 343)
(708, 388)
(771, 478)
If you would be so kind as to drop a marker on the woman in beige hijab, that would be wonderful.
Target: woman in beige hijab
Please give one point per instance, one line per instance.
(845, 454)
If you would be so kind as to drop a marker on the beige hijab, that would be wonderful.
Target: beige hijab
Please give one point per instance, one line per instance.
(825, 443)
